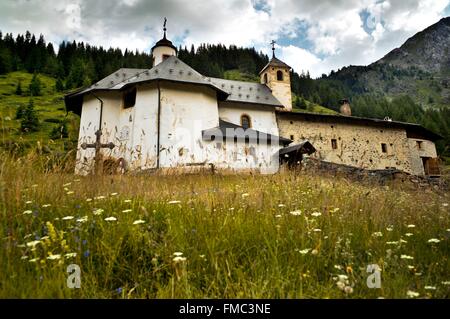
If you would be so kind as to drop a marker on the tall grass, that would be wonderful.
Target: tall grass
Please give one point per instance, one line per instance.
(290, 235)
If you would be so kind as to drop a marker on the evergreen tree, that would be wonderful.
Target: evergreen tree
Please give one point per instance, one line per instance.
(19, 88)
(60, 131)
(59, 85)
(30, 120)
(35, 86)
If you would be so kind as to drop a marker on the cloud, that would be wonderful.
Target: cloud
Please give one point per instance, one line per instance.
(317, 35)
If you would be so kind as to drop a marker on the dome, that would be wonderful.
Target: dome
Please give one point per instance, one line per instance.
(164, 43)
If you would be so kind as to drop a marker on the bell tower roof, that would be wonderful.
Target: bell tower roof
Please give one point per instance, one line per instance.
(275, 62)
(164, 42)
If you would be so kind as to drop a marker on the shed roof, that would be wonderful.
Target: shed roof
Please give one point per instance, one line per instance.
(228, 130)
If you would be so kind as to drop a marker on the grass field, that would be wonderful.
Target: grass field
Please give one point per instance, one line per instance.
(211, 236)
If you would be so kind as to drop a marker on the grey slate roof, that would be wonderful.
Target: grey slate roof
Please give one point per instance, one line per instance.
(275, 63)
(228, 131)
(247, 92)
(173, 69)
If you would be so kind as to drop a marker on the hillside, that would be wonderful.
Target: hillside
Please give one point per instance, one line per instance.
(50, 110)
(420, 68)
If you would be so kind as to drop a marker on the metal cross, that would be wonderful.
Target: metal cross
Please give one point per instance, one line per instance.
(273, 47)
(98, 146)
(165, 29)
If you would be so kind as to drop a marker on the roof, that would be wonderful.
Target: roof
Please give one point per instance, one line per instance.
(247, 92)
(164, 42)
(274, 62)
(171, 69)
(304, 147)
(228, 130)
(412, 129)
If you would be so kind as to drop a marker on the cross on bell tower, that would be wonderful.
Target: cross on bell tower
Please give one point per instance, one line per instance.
(273, 48)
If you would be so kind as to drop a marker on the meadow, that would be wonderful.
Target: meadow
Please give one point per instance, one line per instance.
(290, 235)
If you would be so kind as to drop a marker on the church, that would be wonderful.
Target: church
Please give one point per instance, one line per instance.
(172, 118)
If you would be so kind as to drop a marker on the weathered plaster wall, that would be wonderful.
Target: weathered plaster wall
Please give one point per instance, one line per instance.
(262, 118)
(357, 145)
(158, 53)
(427, 149)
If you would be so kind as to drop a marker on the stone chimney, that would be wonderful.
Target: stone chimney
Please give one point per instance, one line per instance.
(345, 107)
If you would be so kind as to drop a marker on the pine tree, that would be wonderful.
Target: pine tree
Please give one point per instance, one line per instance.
(30, 120)
(19, 88)
(60, 131)
(35, 86)
(59, 85)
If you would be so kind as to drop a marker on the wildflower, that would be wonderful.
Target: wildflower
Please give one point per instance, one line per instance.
(54, 257)
(281, 205)
(82, 219)
(409, 234)
(114, 194)
(111, 219)
(245, 195)
(390, 228)
(127, 201)
(304, 251)
(127, 211)
(342, 278)
(24, 257)
(406, 257)
(33, 260)
(348, 290)
(340, 285)
(392, 243)
(412, 294)
(316, 214)
(68, 218)
(278, 216)
(430, 288)
(174, 202)
(403, 241)
(349, 269)
(33, 243)
(29, 202)
(138, 222)
(296, 213)
(88, 199)
(86, 253)
(178, 254)
(98, 211)
(119, 290)
(433, 241)
(411, 226)
(70, 192)
(317, 230)
(445, 283)
(100, 197)
(335, 210)
(179, 259)
(314, 252)
(377, 234)
(411, 267)
(445, 204)
(46, 205)
(70, 255)
(338, 267)
(27, 212)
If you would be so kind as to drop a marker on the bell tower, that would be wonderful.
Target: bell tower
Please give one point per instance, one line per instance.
(276, 75)
(163, 49)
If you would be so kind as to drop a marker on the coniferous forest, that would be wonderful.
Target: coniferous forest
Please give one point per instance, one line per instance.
(80, 64)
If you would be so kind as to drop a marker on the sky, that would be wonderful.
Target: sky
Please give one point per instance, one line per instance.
(312, 35)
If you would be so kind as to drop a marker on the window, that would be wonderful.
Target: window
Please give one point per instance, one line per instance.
(265, 78)
(129, 98)
(165, 57)
(419, 145)
(292, 137)
(280, 75)
(245, 121)
(384, 147)
(334, 144)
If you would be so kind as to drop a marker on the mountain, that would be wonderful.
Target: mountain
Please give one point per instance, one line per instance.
(420, 68)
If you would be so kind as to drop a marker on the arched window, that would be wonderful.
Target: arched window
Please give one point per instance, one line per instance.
(265, 78)
(280, 75)
(245, 121)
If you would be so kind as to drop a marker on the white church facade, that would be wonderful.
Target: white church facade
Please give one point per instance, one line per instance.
(171, 117)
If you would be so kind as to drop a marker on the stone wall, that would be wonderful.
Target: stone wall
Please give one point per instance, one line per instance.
(360, 146)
